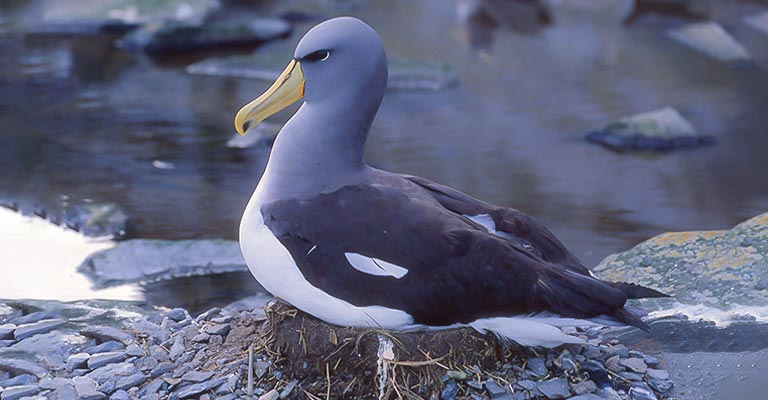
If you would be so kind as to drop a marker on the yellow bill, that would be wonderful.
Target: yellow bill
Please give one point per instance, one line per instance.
(287, 89)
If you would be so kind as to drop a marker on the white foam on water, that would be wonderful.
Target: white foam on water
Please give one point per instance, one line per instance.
(720, 317)
(38, 260)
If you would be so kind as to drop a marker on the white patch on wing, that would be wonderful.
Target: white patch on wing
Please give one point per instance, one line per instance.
(531, 331)
(374, 266)
(484, 220)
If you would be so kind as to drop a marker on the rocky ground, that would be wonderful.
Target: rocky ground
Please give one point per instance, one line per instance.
(121, 350)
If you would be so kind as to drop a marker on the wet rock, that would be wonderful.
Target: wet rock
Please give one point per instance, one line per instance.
(29, 330)
(19, 380)
(152, 260)
(116, 16)
(34, 317)
(198, 388)
(97, 219)
(712, 268)
(758, 22)
(709, 38)
(404, 74)
(663, 129)
(107, 333)
(197, 376)
(584, 387)
(102, 359)
(17, 392)
(177, 314)
(537, 366)
(556, 388)
(21, 367)
(104, 347)
(169, 36)
(86, 389)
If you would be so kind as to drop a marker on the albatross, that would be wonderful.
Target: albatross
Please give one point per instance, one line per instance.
(358, 246)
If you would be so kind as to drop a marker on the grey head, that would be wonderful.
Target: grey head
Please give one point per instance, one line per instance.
(339, 69)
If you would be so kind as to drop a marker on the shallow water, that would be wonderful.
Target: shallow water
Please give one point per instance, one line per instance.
(80, 119)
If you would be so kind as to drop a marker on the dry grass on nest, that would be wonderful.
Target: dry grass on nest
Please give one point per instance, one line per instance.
(331, 362)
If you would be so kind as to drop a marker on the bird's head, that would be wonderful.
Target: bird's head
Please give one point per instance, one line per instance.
(341, 60)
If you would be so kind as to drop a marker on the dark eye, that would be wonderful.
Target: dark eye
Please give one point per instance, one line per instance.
(320, 55)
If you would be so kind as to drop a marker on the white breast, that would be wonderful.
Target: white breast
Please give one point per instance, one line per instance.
(272, 265)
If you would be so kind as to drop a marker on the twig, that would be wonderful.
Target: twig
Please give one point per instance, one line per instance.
(328, 380)
(250, 371)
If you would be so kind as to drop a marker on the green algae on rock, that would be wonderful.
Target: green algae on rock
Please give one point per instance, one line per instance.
(719, 269)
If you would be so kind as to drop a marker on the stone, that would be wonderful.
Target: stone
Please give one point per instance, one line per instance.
(608, 393)
(19, 380)
(120, 395)
(651, 361)
(634, 364)
(565, 361)
(493, 388)
(64, 389)
(260, 368)
(197, 376)
(201, 338)
(641, 391)
(588, 396)
(292, 384)
(107, 333)
(758, 22)
(162, 368)
(36, 328)
(21, 367)
(217, 329)
(33, 317)
(199, 388)
(584, 387)
(134, 350)
(177, 348)
(663, 129)
(17, 392)
(537, 366)
(110, 371)
(660, 385)
(151, 388)
(151, 260)
(86, 389)
(556, 388)
(620, 350)
(97, 219)
(105, 347)
(6, 331)
(177, 314)
(102, 359)
(596, 372)
(591, 352)
(612, 364)
(449, 391)
(709, 38)
(631, 376)
(127, 382)
(526, 384)
(657, 374)
(271, 395)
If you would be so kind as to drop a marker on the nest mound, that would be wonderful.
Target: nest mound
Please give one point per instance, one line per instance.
(359, 363)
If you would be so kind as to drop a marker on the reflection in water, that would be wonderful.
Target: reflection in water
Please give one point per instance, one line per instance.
(481, 18)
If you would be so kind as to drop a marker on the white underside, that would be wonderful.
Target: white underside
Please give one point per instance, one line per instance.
(272, 265)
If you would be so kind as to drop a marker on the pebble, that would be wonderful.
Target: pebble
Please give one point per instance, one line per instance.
(151, 388)
(161, 368)
(588, 396)
(641, 391)
(657, 374)
(22, 367)
(104, 347)
(217, 329)
(64, 389)
(271, 395)
(6, 331)
(177, 314)
(526, 384)
(102, 359)
(651, 361)
(612, 364)
(292, 384)
(634, 364)
(177, 348)
(596, 372)
(620, 350)
(120, 395)
(631, 376)
(17, 392)
(556, 388)
(196, 376)
(494, 389)
(201, 338)
(134, 350)
(27, 330)
(33, 317)
(127, 382)
(198, 388)
(661, 386)
(208, 314)
(107, 333)
(109, 372)
(19, 380)
(584, 387)
(86, 389)
(77, 361)
(537, 366)
(449, 391)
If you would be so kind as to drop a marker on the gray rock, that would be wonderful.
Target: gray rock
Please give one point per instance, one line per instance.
(102, 359)
(449, 391)
(660, 385)
(162, 368)
(292, 385)
(152, 260)
(634, 364)
(758, 22)
(566, 361)
(612, 364)
(6, 331)
(28, 330)
(526, 384)
(134, 350)
(271, 395)
(34, 317)
(120, 395)
(620, 350)
(177, 314)
(64, 389)
(197, 376)
(216, 340)
(201, 338)
(77, 361)
(21, 367)
(97, 219)
(217, 329)
(591, 352)
(151, 388)
(651, 361)
(493, 388)
(177, 348)
(537, 366)
(17, 392)
(608, 393)
(596, 372)
(588, 396)
(105, 347)
(198, 388)
(657, 374)
(107, 333)
(711, 39)
(86, 388)
(584, 387)
(19, 380)
(556, 388)
(260, 368)
(663, 129)
(631, 376)
(110, 371)
(641, 391)
(127, 382)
